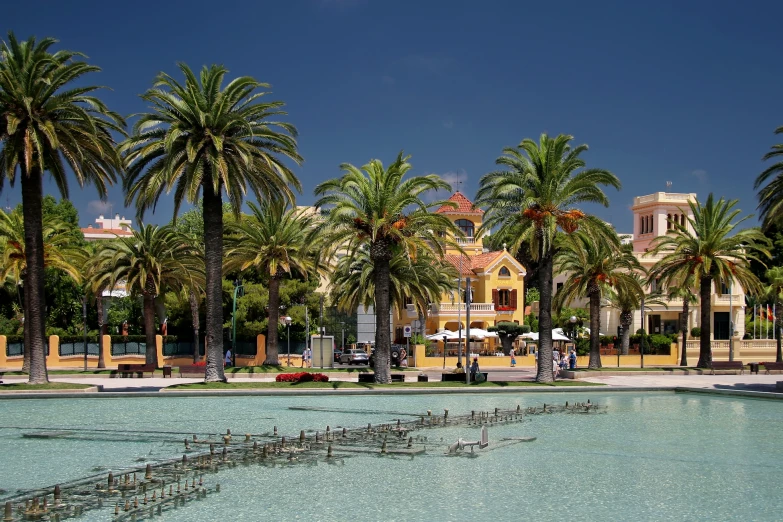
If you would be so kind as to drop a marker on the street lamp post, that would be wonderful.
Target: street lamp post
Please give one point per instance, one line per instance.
(444, 352)
(342, 336)
(84, 316)
(288, 336)
(239, 290)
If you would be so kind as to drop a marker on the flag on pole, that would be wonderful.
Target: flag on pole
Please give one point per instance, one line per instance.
(767, 324)
(773, 320)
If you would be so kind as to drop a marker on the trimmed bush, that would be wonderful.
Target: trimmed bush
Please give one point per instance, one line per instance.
(301, 377)
(696, 332)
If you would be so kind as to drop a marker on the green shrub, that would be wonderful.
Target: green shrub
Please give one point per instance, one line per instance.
(660, 344)
(640, 331)
(696, 332)
(583, 346)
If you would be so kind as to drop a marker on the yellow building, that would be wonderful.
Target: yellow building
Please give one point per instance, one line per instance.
(496, 281)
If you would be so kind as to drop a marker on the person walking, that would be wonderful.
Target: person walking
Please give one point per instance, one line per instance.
(555, 368)
(572, 359)
(513, 358)
(474, 369)
(306, 356)
(227, 361)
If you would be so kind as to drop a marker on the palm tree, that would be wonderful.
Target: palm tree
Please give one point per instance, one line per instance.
(420, 280)
(201, 139)
(774, 289)
(278, 242)
(376, 208)
(593, 268)
(149, 262)
(709, 248)
(627, 299)
(47, 122)
(93, 251)
(532, 200)
(60, 253)
(771, 195)
(684, 290)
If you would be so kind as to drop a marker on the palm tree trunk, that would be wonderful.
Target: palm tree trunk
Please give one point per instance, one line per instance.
(626, 319)
(213, 263)
(595, 330)
(705, 352)
(684, 327)
(545, 269)
(34, 321)
(382, 335)
(273, 322)
(25, 349)
(99, 306)
(196, 326)
(151, 353)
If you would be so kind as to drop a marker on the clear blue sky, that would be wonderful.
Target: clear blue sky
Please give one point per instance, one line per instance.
(684, 91)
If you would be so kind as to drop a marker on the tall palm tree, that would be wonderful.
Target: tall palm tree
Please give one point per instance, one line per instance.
(149, 262)
(422, 280)
(200, 139)
(46, 122)
(278, 242)
(711, 249)
(593, 268)
(774, 289)
(93, 251)
(627, 299)
(684, 290)
(59, 251)
(378, 209)
(532, 200)
(771, 194)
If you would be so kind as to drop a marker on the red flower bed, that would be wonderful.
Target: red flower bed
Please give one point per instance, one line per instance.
(302, 377)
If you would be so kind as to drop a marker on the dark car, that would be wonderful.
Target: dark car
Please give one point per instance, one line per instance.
(394, 355)
(354, 356)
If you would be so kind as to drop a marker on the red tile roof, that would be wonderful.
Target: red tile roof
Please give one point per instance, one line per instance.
(471, 264)
(115, 231)
(464, 206)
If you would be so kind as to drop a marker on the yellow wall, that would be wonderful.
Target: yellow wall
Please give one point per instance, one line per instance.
(55, 361)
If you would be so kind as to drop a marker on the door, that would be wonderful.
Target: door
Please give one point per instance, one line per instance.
(653, 324)
(720, 326)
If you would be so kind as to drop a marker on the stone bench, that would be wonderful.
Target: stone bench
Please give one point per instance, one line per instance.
(458, 377)
(772, 366)
(191, 370)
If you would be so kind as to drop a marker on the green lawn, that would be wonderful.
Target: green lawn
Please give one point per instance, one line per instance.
(23, 386)
(367, 386)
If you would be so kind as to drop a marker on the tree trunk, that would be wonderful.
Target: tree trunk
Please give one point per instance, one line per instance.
(684, 327)
(99, 306)
(506, 342)
(34, 320)
(545, 269)
(274, 320)
(626, 320)
(779, 354)
(595, 329)
(196, 326)
(25, 349)
(213, 263)
(151, 353)
(705, 352)
(382, 336)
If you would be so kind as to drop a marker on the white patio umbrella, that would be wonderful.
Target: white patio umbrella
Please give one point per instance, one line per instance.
(438, 336)
(555, 336)
(480, 333)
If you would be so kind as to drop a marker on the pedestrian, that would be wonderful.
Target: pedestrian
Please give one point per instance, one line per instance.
(572, 359)
(513, 358)
(306, 356)
(227, 361)
(474, 369)
(459, 368)
(403, 358)
(555, 368)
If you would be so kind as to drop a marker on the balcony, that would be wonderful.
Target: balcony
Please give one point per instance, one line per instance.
(725, 300)
(455, 309)
(466, 240)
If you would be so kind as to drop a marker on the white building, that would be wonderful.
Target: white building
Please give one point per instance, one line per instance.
(108, 228)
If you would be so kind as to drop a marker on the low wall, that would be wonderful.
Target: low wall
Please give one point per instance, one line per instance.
(55, 361)
(748, 350)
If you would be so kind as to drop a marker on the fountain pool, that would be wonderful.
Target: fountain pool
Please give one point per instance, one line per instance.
(649, 456)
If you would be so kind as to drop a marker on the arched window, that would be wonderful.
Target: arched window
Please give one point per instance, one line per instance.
(504, 272)
(669, 221)
(682, 219)
(641, 224)
(465, 226)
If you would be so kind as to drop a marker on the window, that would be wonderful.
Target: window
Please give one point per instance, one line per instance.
(465, 226)
(504, 272)
(655, 285)
(504, 299)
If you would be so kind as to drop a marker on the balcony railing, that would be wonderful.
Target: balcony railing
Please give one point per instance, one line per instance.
(724, 299)
(453, 309)
(466, 240)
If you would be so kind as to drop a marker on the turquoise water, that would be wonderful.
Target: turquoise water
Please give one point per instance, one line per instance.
(650, 457)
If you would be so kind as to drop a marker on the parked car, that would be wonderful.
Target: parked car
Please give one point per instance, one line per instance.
(354, 356)
(394, 355)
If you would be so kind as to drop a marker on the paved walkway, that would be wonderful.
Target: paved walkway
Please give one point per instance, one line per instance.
(751, 382)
